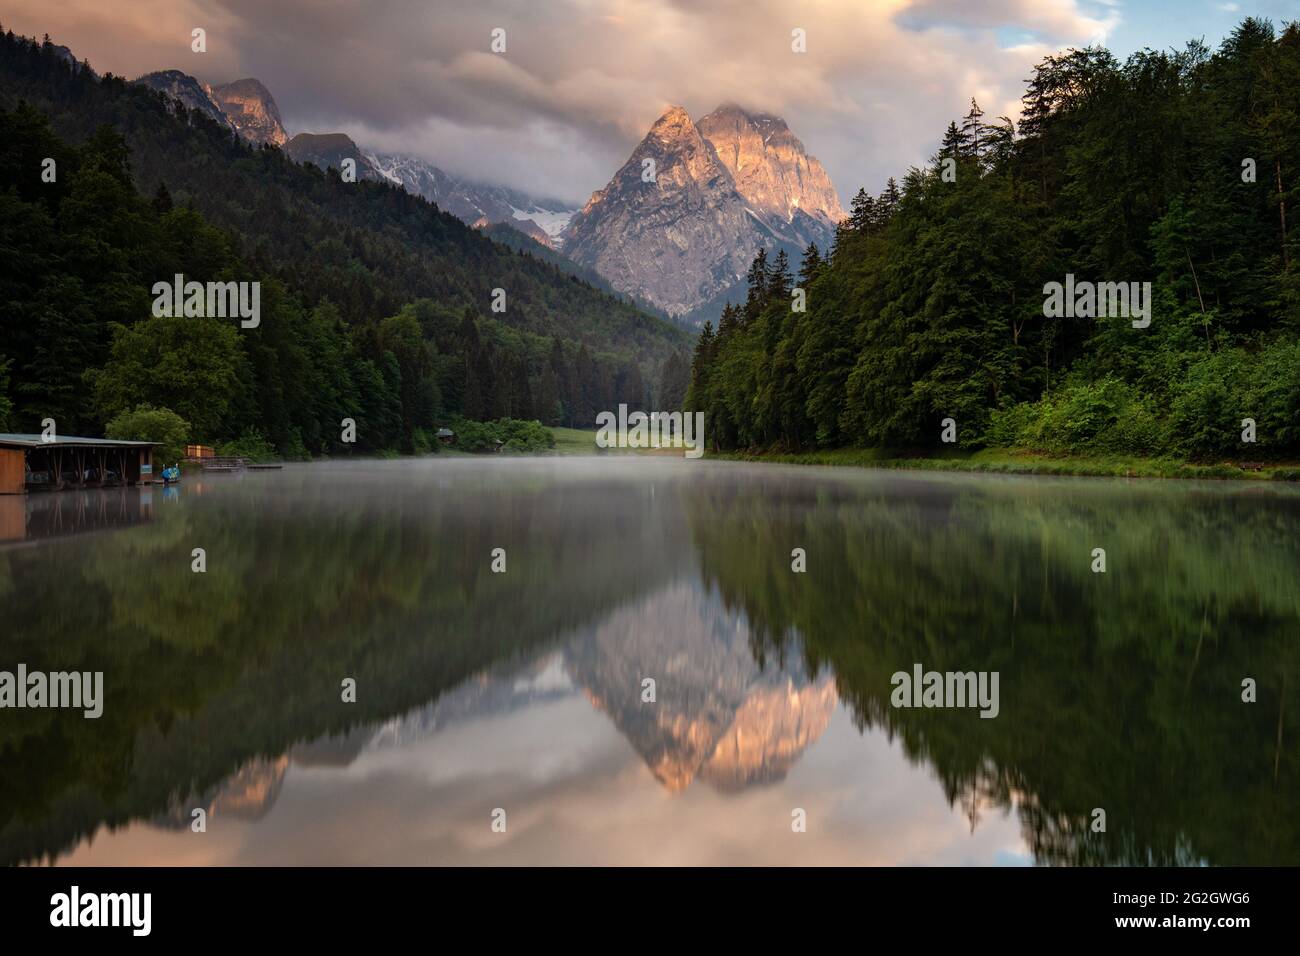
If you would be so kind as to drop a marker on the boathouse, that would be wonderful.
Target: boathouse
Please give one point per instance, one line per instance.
(38, 463)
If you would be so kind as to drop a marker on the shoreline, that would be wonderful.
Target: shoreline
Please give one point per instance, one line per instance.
(1014, 461)
(571, 442)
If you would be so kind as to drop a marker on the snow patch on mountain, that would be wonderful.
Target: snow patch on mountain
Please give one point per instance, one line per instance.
(476, 203)
(552, 222)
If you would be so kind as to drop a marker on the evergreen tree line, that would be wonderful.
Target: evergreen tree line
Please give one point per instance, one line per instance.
(82, 346)
(373, 303)
(1176, 168)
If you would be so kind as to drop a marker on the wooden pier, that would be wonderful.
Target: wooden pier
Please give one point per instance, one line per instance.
(237, 464)
(216, 463)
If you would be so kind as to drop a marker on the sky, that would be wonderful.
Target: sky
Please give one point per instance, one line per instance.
(581, 81)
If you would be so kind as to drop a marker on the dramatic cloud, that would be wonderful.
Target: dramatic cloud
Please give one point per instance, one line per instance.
(581, 80)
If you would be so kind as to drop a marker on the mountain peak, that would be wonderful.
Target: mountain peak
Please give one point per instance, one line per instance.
(246, 106)
(771, 168)
(185, 89)
(679, 223)
(328, 151)
(683, 159)
(251, 110)
(669, 227)
(672, 124)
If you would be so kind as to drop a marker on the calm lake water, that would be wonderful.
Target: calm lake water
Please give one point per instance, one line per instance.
(522, 691)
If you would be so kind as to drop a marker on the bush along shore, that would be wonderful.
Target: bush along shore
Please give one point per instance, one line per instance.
(1023, 461)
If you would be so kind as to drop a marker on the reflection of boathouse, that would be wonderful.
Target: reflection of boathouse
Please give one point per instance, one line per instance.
(37, 463)
(51, 516)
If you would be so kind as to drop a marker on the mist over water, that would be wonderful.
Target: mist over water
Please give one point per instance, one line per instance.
(523, 690)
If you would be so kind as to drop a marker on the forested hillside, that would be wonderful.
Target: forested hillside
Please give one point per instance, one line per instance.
(1175, 168)
(375, 305)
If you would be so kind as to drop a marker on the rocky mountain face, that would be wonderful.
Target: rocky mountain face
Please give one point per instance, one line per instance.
(771, 168)
(66, 54)
(328, 151)
(721, 190)
(245, 106)
(673, 240)
(187, 90)
(251, 110)
(477, 204)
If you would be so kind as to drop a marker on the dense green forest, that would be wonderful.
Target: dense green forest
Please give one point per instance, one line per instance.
(507, 235)
(375, 305)
(1175, 168)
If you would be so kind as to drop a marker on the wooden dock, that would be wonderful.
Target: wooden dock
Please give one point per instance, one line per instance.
(224, 464)
(237, 464)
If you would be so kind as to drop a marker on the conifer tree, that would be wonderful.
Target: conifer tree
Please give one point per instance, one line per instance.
(778, 280)
(862, 211)
(810, 265)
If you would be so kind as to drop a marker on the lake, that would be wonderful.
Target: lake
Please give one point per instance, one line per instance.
(648, 681)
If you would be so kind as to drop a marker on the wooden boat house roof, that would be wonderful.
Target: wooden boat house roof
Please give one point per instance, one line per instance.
(67, 441)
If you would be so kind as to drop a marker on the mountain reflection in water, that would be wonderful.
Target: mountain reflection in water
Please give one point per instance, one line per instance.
(523, 690)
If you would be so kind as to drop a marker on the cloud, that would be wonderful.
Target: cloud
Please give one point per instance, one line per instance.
(1052, 18)
(582, 80)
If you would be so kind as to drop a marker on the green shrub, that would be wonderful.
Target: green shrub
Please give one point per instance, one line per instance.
(294, 448)
(1222, 389)
(525, 436)
(146, 423)
(1104, 417)
(251, 445)
(1008, 427)
(424, 442)
(514, 435)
